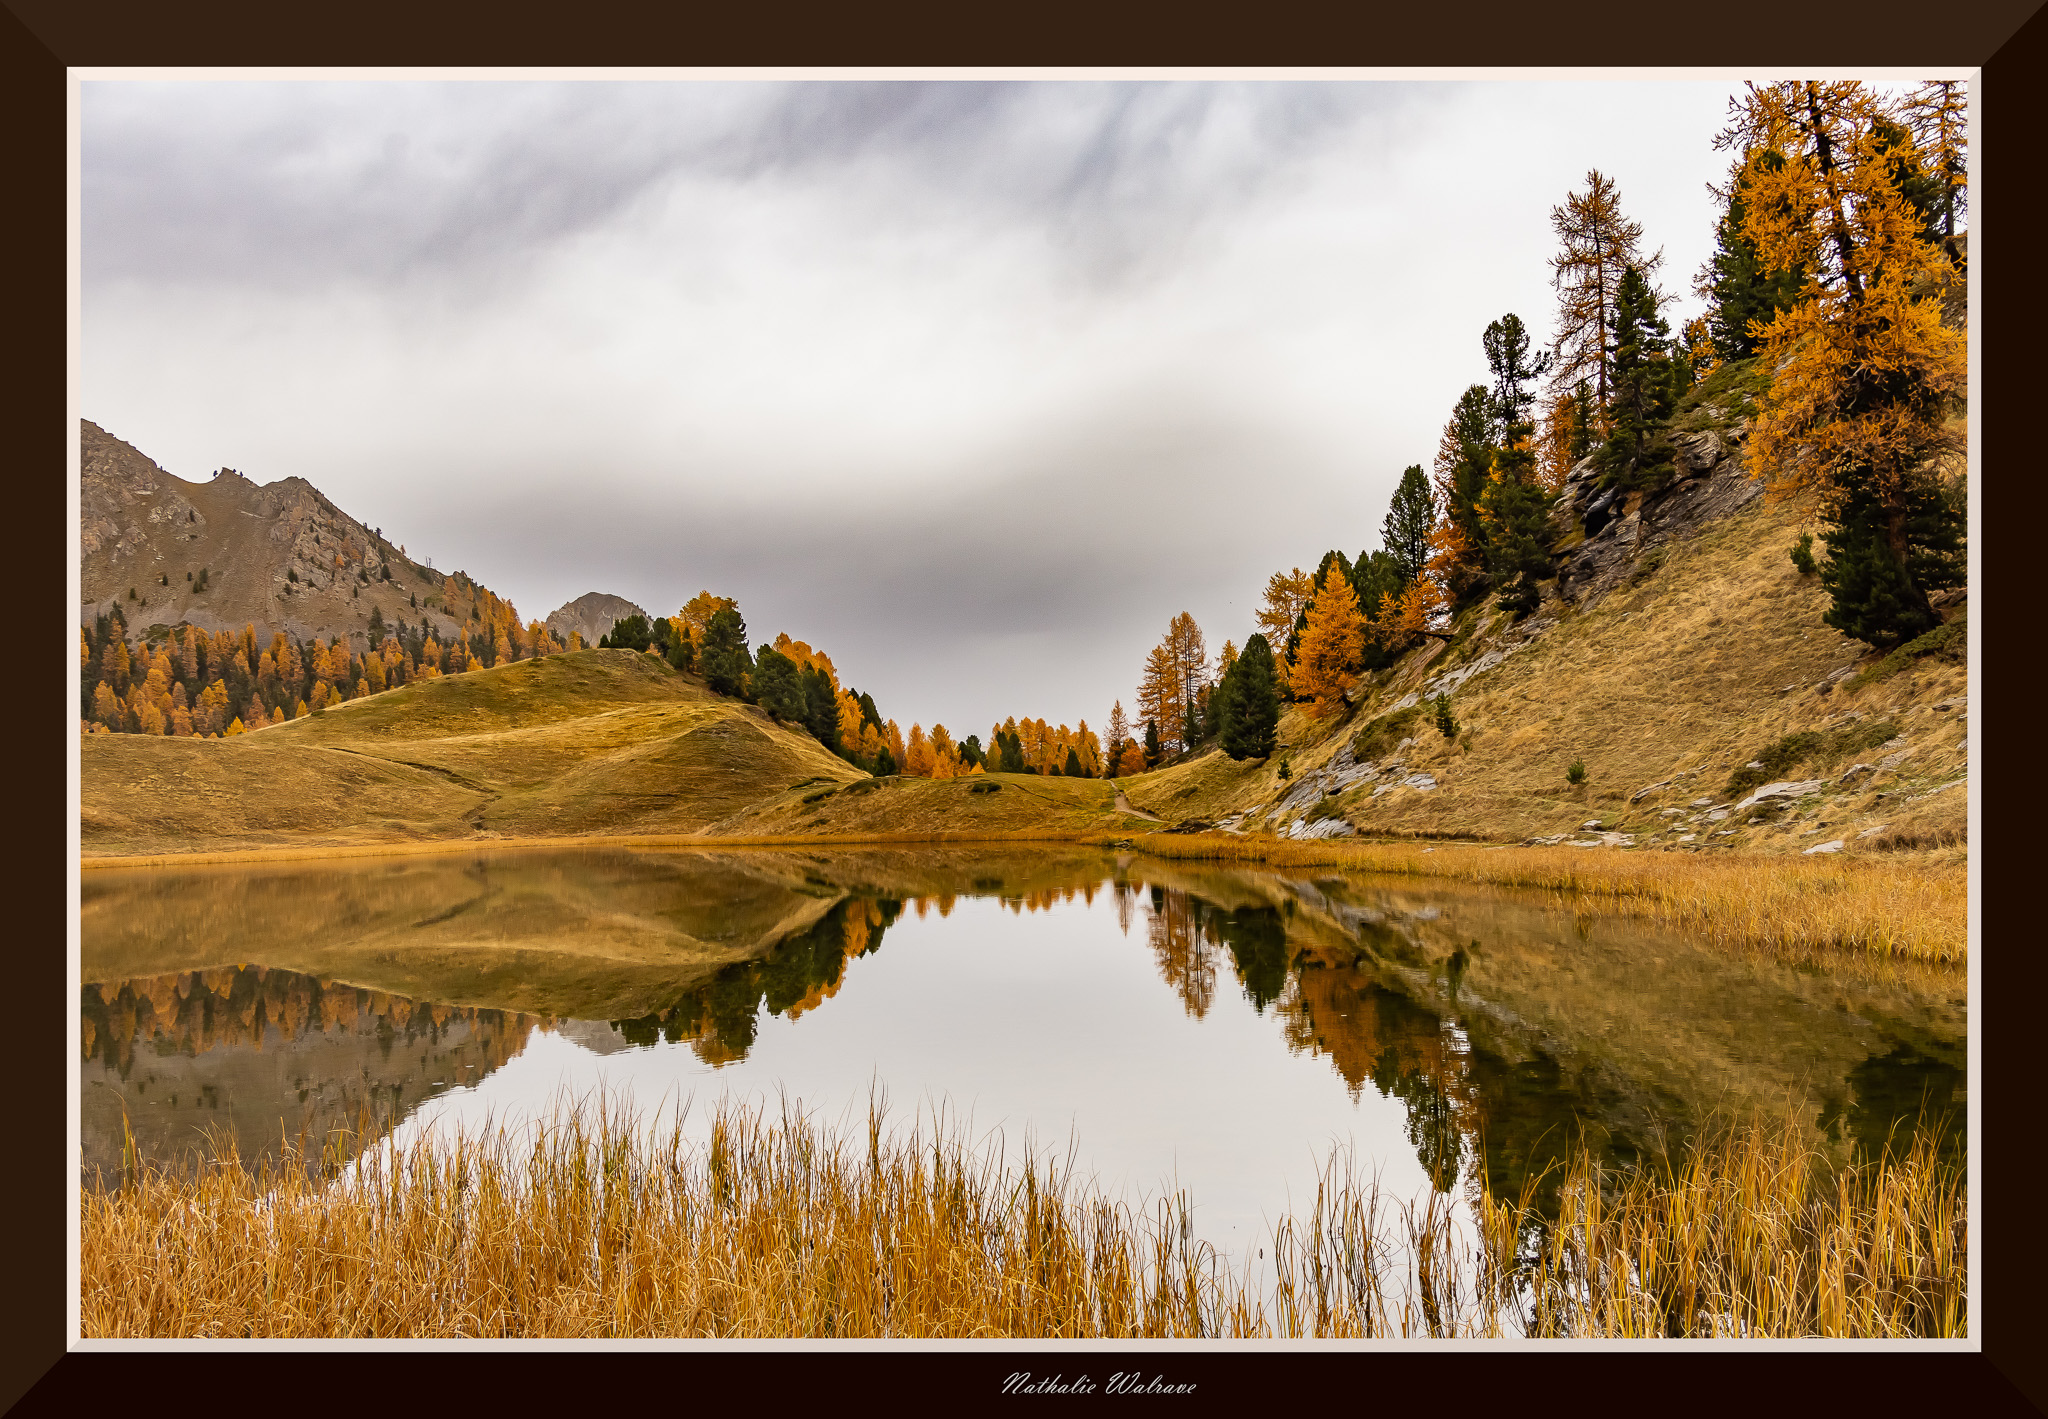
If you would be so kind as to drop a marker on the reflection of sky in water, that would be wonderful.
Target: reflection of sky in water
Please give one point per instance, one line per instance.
(1053, 1023)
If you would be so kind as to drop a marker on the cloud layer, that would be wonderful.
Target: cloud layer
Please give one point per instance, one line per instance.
(974, 384)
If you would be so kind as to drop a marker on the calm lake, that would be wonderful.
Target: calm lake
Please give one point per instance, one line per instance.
(1175, 1026)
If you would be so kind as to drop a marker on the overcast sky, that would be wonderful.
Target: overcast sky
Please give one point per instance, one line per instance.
(973, 385)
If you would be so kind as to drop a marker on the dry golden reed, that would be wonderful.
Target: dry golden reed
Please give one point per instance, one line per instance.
(1797, 904)
(597, 1226)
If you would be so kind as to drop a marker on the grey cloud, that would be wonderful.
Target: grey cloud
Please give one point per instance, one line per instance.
(287, 184)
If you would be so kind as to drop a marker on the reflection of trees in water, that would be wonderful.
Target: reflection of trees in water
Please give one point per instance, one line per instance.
(1185, 947)
(1403, 1049)
(190, 1012)
(719, 1019)
(265, 1056)
(1461, 1101)
(1888, 1092)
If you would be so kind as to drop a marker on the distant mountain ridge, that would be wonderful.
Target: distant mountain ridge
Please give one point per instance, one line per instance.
(230, 552)
(591, 615)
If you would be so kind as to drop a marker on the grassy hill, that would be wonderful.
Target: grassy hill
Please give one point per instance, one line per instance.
(595, 742)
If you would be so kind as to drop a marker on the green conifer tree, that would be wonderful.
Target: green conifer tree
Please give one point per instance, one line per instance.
(1151, 744)
(1740, 290)
(1251, 725)
(821, 707)
(1879, 598)
(778, 685)
(726, 662)
(1637, 454)
(1513, 504)
(1404, 533)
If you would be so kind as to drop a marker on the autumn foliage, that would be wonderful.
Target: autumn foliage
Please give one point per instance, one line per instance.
(1330, 645)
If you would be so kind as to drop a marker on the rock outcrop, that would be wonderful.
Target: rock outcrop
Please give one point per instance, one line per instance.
(230, 552)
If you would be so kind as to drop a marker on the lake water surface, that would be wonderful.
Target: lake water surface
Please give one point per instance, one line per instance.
(1175, 1026)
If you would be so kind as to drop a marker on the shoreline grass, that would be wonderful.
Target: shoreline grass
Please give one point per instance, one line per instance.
(1792, 904)
(595, 1227)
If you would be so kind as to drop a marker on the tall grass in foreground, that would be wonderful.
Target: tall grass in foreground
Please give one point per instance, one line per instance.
(593, 1226)
(1888, 909)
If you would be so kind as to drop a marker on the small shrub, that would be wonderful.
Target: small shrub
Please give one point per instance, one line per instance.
(1326, 807)
(1446, 723)
(1948, 642)
(820, 796)
(290, 575)
(1802, 554)
(1286, 768)
(1809, 746)
(1384, 733)
(866, 785)
(1776, 761)
(1576, 774)
(985, 787)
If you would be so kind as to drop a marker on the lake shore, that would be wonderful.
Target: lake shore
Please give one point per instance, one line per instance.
(1867, 906)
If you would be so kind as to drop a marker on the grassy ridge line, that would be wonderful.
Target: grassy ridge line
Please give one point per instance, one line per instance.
(1784, 903)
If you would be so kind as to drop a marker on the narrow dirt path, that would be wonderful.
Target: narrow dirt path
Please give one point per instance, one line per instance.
(1123, 805)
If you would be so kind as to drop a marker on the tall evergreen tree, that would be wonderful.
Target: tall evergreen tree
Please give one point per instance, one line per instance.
(1074, 769)
(1878, 598)
(1251, 719)
(1741, 292)
(1518, 543)
(1464, 459)
(1583, 422)
(726, 662)
(628, 633)
(1404, 534)
(1152, 750)
(1636, 454)
(1514, 506)
(821, 707)
(1379, 581)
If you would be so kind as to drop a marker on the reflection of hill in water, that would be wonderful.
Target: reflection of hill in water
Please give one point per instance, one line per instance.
(1514, 1022)
(1488, 1014)
(591, 935)
(268, 1055)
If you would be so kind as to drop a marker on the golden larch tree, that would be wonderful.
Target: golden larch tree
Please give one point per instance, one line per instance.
(1595, 244)
(1287, 596)
(918, 760)
(945, 753)
(1330, 645)
(1865, 374)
